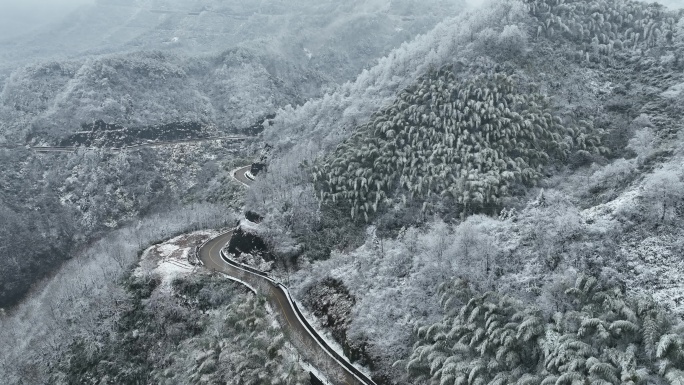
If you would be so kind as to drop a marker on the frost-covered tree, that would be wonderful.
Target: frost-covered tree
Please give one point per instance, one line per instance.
(601, 28)
(469, 138)
(663, 191)
(603, 337)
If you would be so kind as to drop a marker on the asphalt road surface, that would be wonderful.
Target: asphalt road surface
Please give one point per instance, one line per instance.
(277, 297)
(240, 176)
(210, 254)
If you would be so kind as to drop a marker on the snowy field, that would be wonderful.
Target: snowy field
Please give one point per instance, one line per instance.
(169, 260)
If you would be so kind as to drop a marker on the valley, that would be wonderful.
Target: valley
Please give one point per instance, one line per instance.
(382, 192)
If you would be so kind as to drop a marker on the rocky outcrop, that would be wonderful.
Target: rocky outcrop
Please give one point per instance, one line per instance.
(253, 217)
(331, 303)
(262, 164)
(257, 168)
(246, 239)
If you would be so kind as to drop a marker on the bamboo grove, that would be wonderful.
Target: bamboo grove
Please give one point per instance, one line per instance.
(468, 139)
(603, 27)
(600, 337)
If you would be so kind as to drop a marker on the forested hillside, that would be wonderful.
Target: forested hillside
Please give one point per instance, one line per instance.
(55, 204)
(595, 334)
(467, 142)
(523, 150)
(230, 91)
(136, 64)
(224, 66)
(496, 201)
(227, 63)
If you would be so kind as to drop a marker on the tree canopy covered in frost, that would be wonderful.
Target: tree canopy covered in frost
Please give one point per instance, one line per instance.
(323, 123)
(224, 62)
(468, 139)
(596, 335)
(498, 200)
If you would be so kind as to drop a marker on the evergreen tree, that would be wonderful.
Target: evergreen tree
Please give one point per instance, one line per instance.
(467, 138)
(604, 338)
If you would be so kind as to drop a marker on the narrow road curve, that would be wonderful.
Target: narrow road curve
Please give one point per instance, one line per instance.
(335, 367)
(240, 175)
(46, 149)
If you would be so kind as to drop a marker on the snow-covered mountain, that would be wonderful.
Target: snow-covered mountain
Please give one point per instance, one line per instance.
(497, 200)
(222, 63)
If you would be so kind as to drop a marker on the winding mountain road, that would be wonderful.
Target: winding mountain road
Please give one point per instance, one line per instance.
(336, 368)
(47, 149)
(240, 175)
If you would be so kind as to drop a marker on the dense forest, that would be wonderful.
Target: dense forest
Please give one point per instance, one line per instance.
(467, 142)
(498, 200)
(595, 334)
(522, 151)
(55, 204)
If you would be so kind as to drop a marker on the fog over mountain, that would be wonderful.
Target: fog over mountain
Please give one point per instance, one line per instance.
(192, 26)
(19, 17)
(280, 53)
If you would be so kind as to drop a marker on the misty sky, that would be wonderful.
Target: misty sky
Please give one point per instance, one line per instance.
(674, 4)
(20, 16)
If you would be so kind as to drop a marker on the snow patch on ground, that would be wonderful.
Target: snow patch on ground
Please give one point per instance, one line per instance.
(673, 91)
(309, 368)
(656, 270)
(604, 212)
(167, 250)
(652, 266)
(249, 227)
(169, 259)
